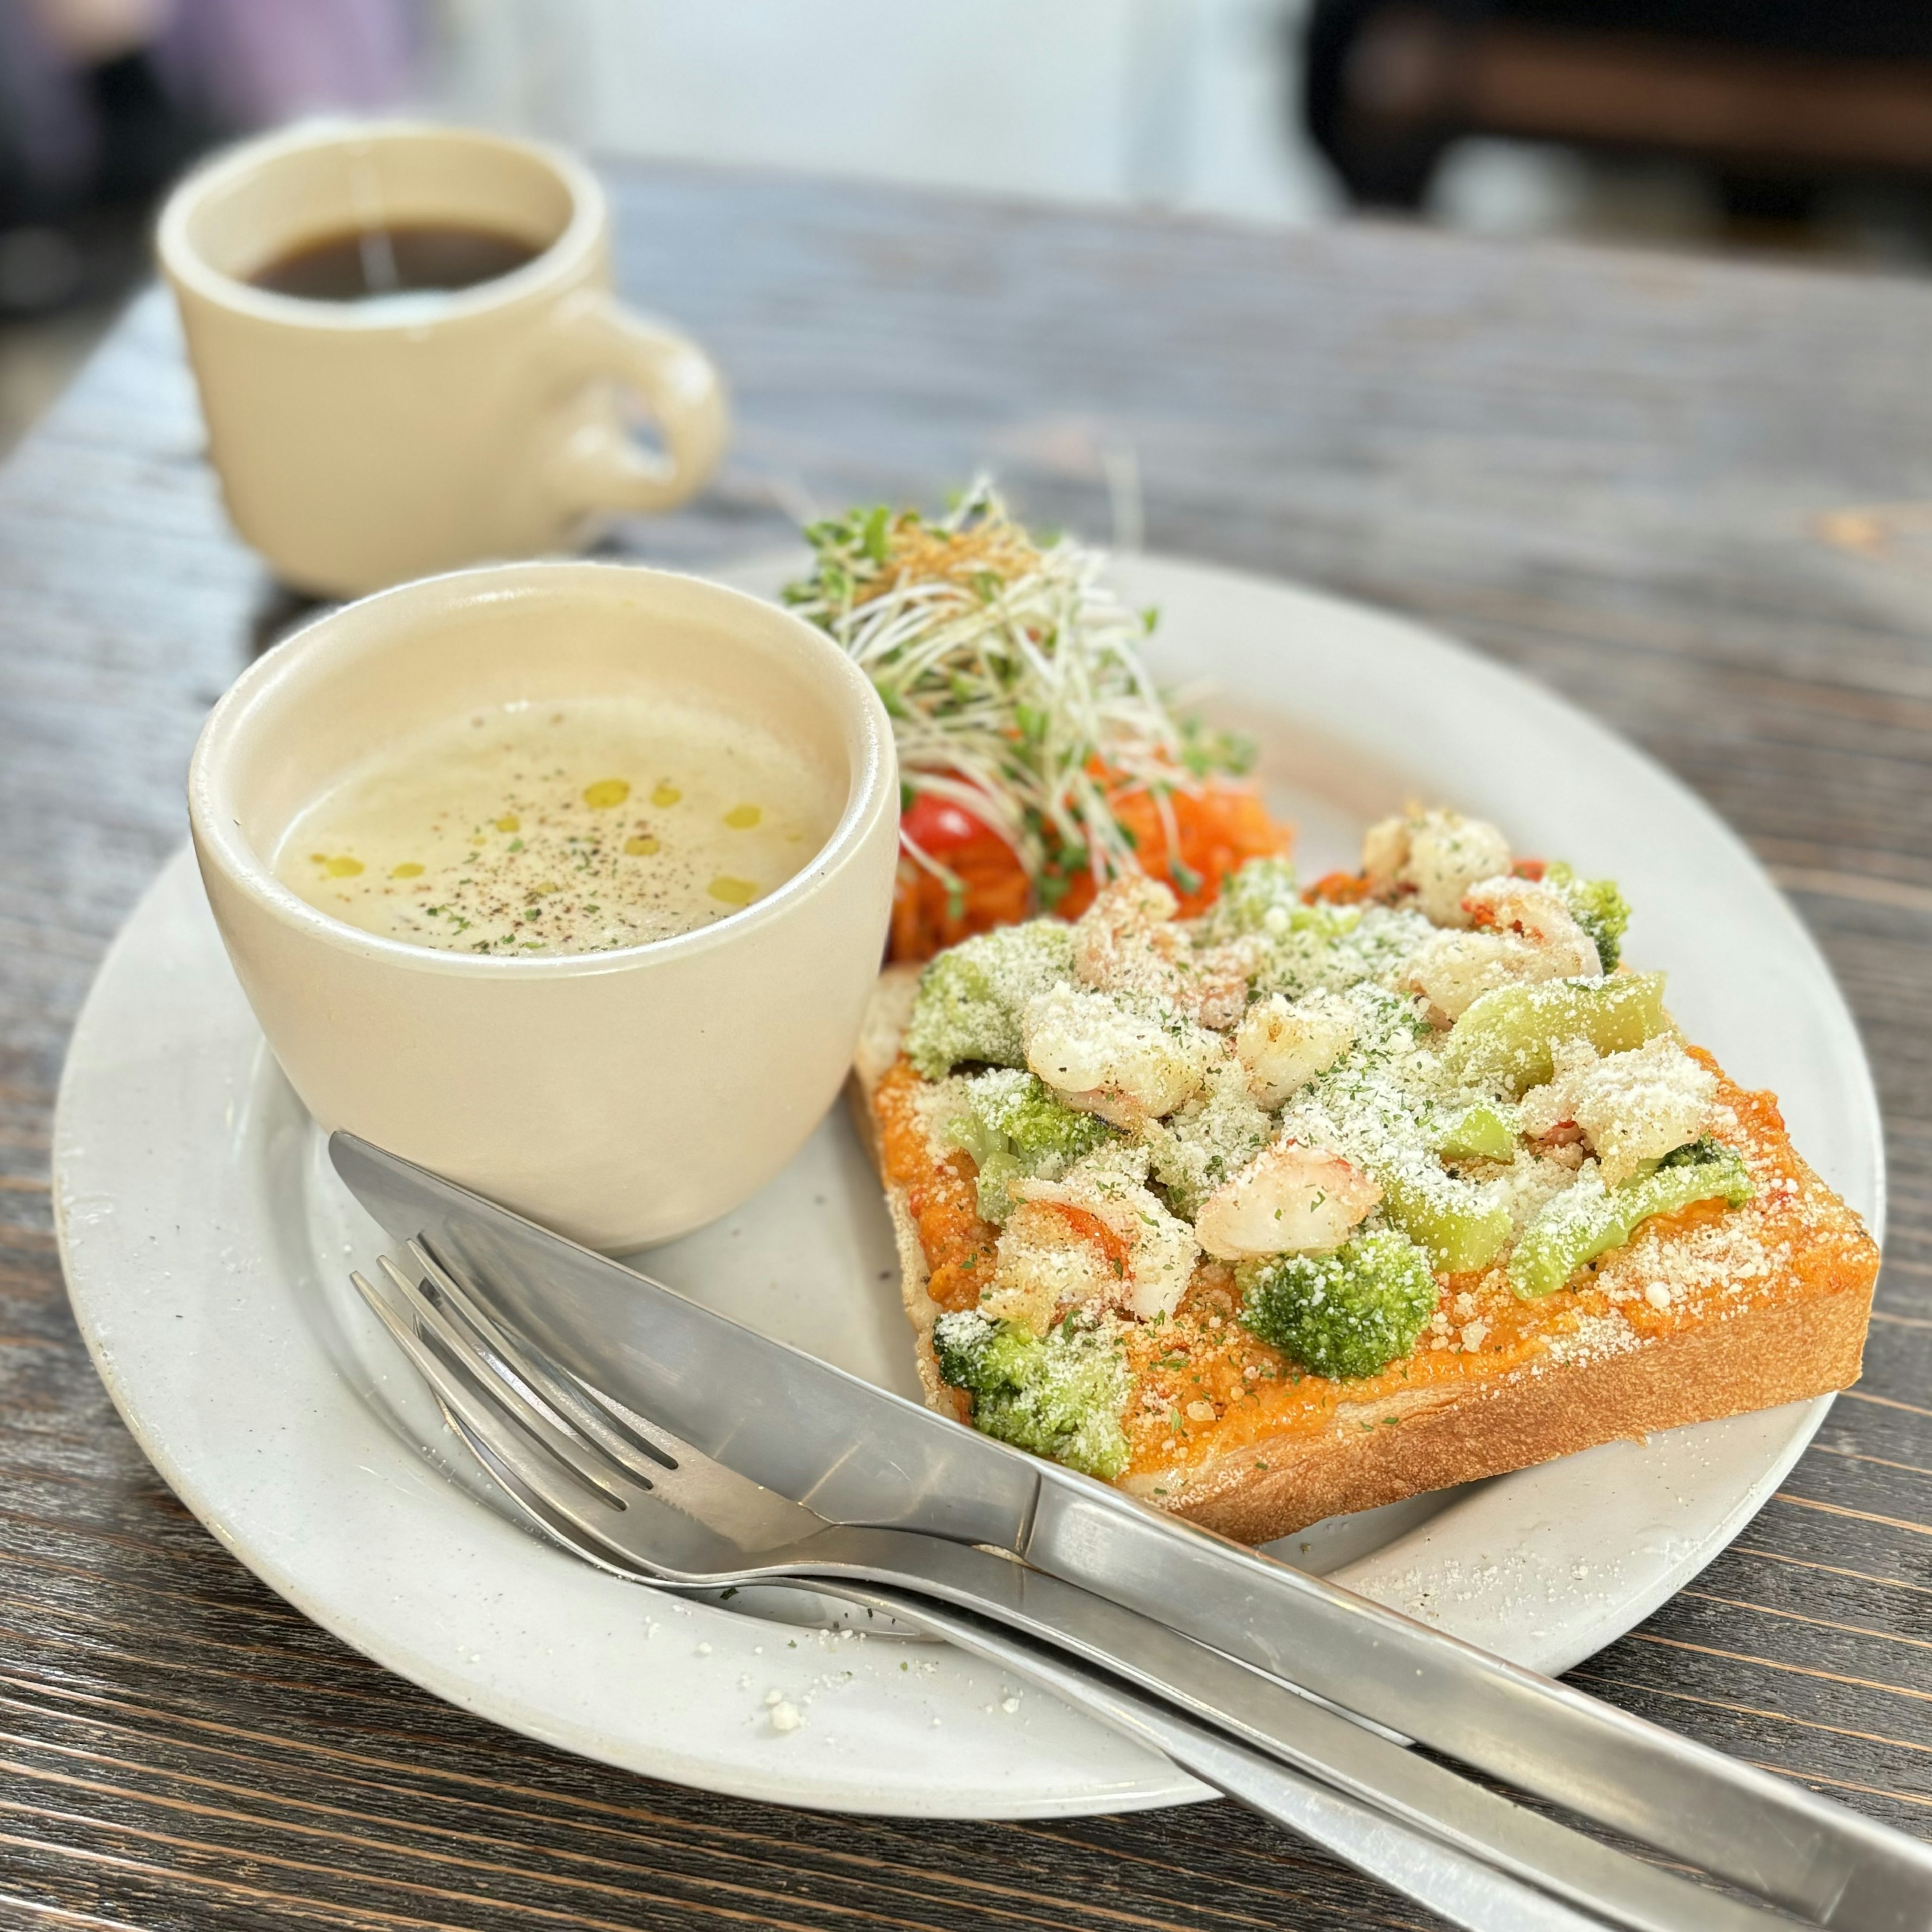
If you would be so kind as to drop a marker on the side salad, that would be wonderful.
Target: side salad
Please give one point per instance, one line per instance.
(1039, 763)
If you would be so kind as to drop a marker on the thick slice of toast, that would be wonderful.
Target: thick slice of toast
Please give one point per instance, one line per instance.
(1711, 1312)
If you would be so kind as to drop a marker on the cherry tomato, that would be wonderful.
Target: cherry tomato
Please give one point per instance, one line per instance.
(938, 826)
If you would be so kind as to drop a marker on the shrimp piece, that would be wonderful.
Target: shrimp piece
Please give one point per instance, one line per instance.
(1046, 1261)
(1126, 1067)
(1538, 913)
(1215, 980)
(1152, 1252)
(1289, 1199)
(1520, 931)
(1453, 971)
(1631, 1107)
(1437, 855)
(1281, 1046)
(1126, 942)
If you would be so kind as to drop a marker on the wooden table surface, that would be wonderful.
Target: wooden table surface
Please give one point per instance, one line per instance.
(1687, 495)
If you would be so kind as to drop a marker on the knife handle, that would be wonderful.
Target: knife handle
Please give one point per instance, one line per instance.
(1257, 1713)
(1762, 1832)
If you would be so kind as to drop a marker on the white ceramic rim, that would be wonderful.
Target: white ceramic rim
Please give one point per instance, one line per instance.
(868, 744)
(560, 262)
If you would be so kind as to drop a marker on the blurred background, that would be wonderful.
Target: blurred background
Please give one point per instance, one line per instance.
(1798, 127)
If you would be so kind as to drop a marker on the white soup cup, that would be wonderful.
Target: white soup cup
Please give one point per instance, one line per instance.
(622, 1097)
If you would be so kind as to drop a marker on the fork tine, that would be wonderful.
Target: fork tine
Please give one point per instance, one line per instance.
(482, 1421)
(536, 1467)
(517, 1355)
(689, 1480)
(540, 1506)
(513, 1426)
(452, 1332)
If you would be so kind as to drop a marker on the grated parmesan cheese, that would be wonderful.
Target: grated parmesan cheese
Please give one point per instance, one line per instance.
(1126, 1064)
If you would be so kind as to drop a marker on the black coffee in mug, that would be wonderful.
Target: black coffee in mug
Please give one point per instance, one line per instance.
(439, 264)
(362, 264)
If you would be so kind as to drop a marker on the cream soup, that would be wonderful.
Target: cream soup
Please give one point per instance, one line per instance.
(561, 828)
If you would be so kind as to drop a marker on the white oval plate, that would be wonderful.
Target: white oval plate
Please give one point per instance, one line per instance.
(207, 1245)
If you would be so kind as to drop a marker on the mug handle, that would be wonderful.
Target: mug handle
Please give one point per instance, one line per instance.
(599, 465)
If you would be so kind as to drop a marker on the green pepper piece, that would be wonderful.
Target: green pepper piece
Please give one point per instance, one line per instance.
(1589, 1219)
(1507, 1036)
(1448, 1217)
(1481, 1132)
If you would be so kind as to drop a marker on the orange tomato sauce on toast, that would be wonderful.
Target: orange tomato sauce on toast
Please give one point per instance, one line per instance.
(1201, 1386)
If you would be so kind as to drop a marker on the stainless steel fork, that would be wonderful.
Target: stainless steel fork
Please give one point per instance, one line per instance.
(622, 1492)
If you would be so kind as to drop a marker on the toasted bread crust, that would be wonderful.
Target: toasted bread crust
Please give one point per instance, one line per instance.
(1800, 1333)
(1763, 1356)
(886, 1017)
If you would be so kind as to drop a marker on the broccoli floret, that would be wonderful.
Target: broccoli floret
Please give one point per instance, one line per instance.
(1260, 897)
(1349, 1313)
(1587, 1218)
(1597, 906)
(1059, 1396)
(1333, 948)
(1039, 1126)
(970, 999)
(1306, 947)
(1014, 1128)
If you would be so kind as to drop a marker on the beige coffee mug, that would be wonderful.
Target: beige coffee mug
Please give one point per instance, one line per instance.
(360, 443)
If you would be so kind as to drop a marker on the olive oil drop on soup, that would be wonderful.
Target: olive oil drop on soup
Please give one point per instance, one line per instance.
(569, 827)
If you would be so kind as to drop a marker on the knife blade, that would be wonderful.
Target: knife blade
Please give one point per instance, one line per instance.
(857, 1454)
